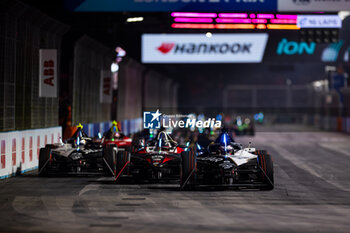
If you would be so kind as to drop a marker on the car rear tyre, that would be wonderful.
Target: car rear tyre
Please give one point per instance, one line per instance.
(266, 165)
(109, 155)
(123, 160)
(44, 157)
(188, 166)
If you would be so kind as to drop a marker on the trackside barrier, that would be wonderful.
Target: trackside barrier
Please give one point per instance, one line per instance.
(20, 149)
(127, 126)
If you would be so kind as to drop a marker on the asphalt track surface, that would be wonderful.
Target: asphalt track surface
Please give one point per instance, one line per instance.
(312, 194)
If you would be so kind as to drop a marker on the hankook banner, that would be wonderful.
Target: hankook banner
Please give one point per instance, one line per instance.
(198, 48)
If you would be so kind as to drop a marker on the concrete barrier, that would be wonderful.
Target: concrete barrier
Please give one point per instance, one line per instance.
(20, 149)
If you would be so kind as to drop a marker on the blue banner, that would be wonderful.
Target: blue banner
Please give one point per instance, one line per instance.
(171, 5)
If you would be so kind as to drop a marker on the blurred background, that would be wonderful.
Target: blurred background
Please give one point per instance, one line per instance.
(104, 72)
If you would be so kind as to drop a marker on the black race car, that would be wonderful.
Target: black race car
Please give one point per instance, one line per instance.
(78, 155)
(154, 160)
(227, 163)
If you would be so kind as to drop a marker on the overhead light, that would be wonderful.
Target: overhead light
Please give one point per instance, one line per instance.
(343, 14)
(208, 34)
(114, 67)
(120, 52)
(134, 19)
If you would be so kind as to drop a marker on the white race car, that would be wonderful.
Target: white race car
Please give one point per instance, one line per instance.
(227, 163)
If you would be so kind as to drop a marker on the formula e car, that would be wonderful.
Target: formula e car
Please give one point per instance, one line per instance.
(155, 160)
(226, 163)
(78, 155)
(114, 136)
(243, 127)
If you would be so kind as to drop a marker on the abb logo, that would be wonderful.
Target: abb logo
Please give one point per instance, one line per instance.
(49, 72)
(166, 47)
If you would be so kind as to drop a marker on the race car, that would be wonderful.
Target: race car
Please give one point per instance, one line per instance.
(114, 136)
(243, 127)
(226, 163)
(78, 155)
(155, 160)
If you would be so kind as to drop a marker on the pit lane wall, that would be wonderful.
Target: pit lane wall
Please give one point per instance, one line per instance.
(23, 32)
(20, 149)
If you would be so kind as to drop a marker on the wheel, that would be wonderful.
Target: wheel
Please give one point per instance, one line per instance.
(123, 162)
(266, 164)
(109, 163)
(188, 166)
(44, 157)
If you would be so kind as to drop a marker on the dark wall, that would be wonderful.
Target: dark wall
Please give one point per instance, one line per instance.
(23, 32)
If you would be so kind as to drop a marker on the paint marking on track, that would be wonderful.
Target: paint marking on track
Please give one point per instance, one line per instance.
(335, 148)
(90, 187)
(293, 158)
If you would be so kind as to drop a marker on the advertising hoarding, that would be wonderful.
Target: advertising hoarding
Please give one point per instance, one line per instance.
(47, 73)
(198, 48)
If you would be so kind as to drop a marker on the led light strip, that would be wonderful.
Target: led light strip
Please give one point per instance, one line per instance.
(282, 27)
(213, 26)
(193, 14)
(195, 20)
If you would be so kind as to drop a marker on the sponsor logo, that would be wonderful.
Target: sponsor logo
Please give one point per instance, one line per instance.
(154, 120)
(166, 47)
(286, 47)
(319, 21)
(203, 48)
(151, 120)
(197, 48)
(330, 54)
